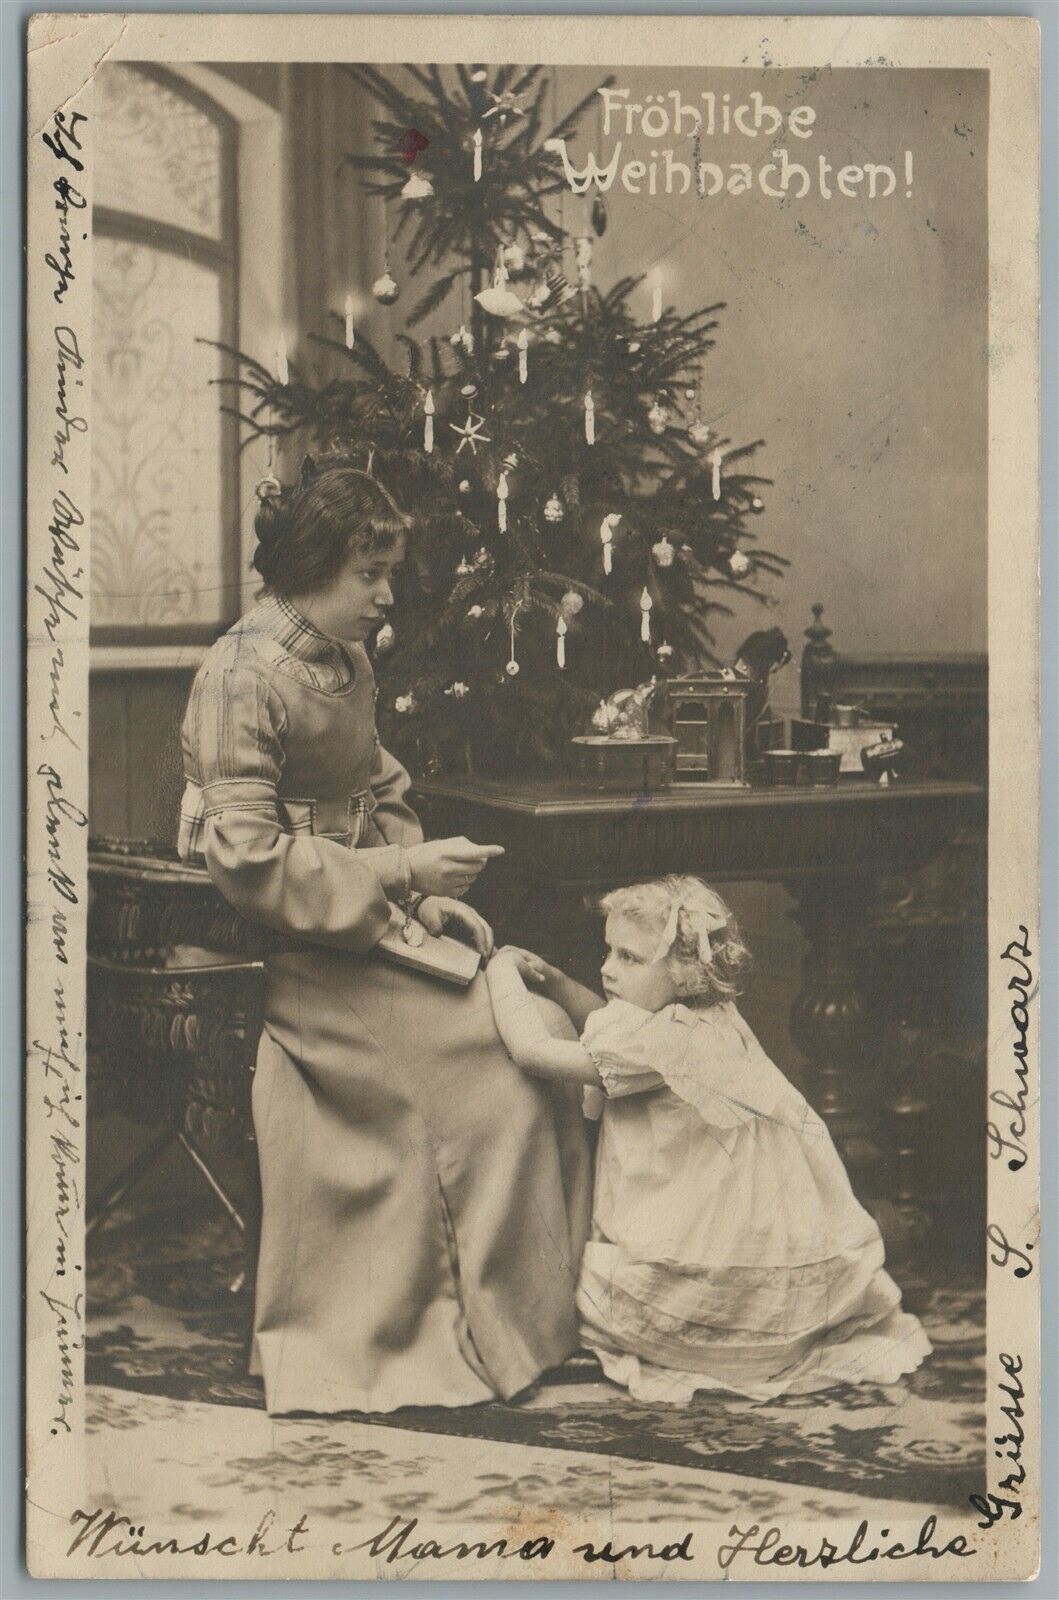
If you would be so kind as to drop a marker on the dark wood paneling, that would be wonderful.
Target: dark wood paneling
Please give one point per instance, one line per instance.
(134, 769)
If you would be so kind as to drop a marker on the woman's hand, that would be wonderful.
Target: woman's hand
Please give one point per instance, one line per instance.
(439, 914)
(448, 866)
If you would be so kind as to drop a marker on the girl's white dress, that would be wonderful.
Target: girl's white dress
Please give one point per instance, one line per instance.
(727, 1249)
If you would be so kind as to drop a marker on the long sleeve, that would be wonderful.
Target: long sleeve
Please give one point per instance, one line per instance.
(300, 884)
(393, 816)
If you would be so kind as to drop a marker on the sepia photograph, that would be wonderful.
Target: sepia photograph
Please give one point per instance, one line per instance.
(532, 985)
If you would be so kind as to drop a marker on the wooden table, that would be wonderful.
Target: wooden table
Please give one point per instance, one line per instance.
(854, 857)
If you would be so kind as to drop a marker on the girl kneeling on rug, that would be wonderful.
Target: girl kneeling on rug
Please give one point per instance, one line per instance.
(727, 1250)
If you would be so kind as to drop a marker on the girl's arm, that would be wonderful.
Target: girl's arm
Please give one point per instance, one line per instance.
(577, 1001)
(525, 1032)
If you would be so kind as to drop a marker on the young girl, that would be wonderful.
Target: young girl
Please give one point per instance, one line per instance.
(727, 1250)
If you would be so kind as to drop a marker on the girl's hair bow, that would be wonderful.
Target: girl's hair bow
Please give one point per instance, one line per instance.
(700, 920)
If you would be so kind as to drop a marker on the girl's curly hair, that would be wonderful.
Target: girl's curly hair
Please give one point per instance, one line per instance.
(703, 947)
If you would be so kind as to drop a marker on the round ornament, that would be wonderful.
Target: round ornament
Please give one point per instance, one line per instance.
(657, 418)
(479, 75)
(514, 258)
(386, 289)
(739, 564)
(469, 390)
(512, 669)
(756, 504)
(664, 652)
(458, 690)
(553, 509)
(663, 552)
(698, 432)
(633, 346)
(404, 704)
(474, 612)
(384, 639)
(689, 394)
(538, 295)
(553, 336)
(571, 603)
(462, 338)
(465, 485)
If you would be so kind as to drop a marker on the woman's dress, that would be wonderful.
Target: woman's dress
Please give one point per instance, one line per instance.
(727, 1249)
(424, 1204)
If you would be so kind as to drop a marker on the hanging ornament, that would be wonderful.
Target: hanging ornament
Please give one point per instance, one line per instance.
(599, 216)
(590, 418)
(417, 188)
(571, 603)
(500, 355)
(477, 163)
(428, 422)
(514, 257)
(464, 568)
(739, 564)
(385, 289)
(553, 509)
(656, 296)
(463, 339)
(349, 321)
(482, 557)
(501, 502)
(479, 75)
(471, 433)
(664, 652)
(633, 346)
(689, 394)
(645, 616)
(475, 612)
(560, 641)
(756, 504)
(384, 639)
(282, 365)
(538, 295)
(699, 432)
(499, 300)
(469, 390)
(511, 461)
(715, 473)
(657, 418)
(523, 355)
(465, 484)
(553, 336)
(606, 537)
(404, 704)
(458, 690)
(512, 668)
(663, 552)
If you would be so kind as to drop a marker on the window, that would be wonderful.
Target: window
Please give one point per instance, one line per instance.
(165, 466)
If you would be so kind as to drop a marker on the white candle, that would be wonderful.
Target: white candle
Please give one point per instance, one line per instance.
(523, 355)
(501, 504)
(282, 369)
(428, 422)
(349, 322)
(477, 154)
(606, 536)
(590, 418)
(560, 641)
(656, 297)
(715, 473)
(645, 616)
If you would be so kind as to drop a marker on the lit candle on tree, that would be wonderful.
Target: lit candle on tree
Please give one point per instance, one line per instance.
(428, 422)
(656, 296)
(715, 473)
(590, 418)
(349, 322)
(645, 616)
(477, 154)
(282, 367)
(501, 503)
(560, 641)
(523, 355)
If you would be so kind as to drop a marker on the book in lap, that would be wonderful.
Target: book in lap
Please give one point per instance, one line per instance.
(437, 954)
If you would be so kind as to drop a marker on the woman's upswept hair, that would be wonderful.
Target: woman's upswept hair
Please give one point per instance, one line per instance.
(307, 531)
(699, 938)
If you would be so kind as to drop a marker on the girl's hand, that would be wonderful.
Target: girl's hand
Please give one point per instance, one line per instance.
(532, 968)
(448, 866)
(439, 914)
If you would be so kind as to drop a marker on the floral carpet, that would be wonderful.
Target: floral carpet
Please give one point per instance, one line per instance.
(163, 1321)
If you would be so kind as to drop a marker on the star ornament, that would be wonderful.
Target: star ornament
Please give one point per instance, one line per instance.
(507, 103)
(471, 433)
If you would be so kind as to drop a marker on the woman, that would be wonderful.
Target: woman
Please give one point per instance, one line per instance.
(424, 1204)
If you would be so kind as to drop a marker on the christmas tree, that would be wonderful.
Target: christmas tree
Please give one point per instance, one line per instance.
(577, 522)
